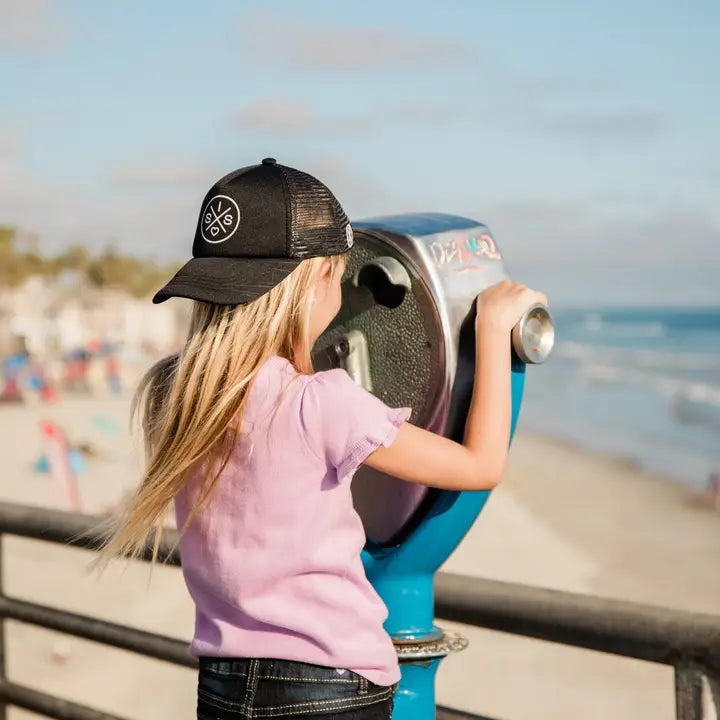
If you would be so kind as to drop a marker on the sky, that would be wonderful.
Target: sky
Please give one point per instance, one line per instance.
(585, 135)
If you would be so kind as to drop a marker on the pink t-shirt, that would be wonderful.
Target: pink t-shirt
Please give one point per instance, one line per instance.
(273, 560)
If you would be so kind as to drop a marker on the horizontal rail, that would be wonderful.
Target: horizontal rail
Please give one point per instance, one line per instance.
(101, 631)
(83, 531)
(48, 705)
(645, 632)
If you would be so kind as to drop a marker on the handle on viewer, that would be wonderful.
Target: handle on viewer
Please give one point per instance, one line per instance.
(533, 337)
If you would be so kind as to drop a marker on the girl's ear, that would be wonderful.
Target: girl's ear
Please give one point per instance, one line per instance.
(322, 282)
(325, 268)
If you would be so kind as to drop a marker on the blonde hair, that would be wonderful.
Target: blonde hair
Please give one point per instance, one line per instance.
(190, 405)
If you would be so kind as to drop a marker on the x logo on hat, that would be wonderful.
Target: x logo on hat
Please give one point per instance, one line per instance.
(220, 219)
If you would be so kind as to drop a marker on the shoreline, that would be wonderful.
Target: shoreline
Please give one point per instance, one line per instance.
(635, 461)
(621, 461)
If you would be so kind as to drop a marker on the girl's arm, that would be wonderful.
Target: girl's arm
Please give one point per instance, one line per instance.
(478, 463)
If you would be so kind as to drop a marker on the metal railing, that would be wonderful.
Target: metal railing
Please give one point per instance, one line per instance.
(690, 642)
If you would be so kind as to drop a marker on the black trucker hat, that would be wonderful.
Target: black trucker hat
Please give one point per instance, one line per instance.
(256, 226)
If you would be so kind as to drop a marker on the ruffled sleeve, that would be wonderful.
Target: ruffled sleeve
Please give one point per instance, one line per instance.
(343, 423)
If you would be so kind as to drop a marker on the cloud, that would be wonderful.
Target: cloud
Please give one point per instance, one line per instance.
(278, 116)
(285, 117)
(163, 173)
(161, 226)
(569, 233)
(31, 26)
(357, 195)
(302, 44)
(157, 224)
(620, 126)
(374, 48)
(10, 142)
(579, 255)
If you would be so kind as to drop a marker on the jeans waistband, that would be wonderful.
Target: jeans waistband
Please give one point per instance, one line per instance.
(277, 669)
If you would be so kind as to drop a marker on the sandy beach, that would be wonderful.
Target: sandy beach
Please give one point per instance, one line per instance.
(564, 518)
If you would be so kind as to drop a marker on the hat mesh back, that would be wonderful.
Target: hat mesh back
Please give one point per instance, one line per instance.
(317, 222)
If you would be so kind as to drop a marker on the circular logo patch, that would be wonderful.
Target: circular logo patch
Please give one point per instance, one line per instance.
(220, 219)
(349, 235)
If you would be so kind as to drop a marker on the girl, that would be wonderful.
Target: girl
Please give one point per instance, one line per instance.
(257, 453)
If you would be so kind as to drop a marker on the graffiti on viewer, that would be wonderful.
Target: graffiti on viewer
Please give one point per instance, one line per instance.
(462, 252)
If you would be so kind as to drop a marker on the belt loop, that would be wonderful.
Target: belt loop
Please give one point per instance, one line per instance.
(363, 686)
(252, 683)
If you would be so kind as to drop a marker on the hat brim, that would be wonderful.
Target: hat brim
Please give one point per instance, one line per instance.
(226, 281)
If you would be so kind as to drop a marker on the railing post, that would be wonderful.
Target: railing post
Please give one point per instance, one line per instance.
(3, 706)
(688, 692)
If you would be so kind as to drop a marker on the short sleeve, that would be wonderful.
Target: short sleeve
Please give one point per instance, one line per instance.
(343, 423)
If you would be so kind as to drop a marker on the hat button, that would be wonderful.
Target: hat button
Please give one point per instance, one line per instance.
(269, 161)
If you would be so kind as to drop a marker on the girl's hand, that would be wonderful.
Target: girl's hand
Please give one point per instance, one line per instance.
(501, 306)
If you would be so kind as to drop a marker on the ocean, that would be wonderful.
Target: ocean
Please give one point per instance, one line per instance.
(642, 384)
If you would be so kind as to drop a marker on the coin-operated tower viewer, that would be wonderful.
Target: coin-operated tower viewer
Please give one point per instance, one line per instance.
(406, 333)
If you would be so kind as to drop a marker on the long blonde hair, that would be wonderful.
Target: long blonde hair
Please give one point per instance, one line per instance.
(190, 405)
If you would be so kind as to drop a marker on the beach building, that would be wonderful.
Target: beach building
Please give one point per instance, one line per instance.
(52, 316)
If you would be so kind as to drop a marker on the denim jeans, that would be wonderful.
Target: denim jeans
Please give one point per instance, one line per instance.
(238, 688)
